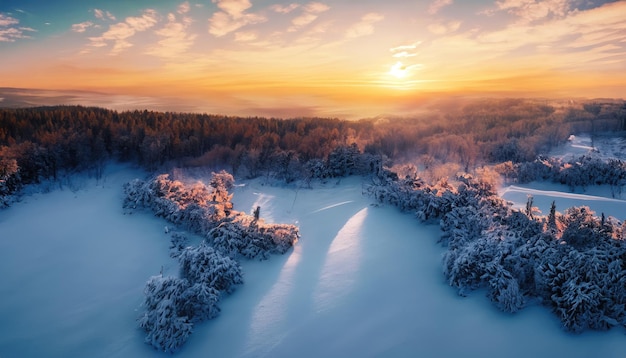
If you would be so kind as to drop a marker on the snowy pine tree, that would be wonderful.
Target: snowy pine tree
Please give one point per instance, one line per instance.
(166, 329)
(202, 264)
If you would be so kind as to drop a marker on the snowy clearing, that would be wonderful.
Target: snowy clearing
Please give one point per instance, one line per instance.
(600, 202)
(605, 145)
(600, 198)
(363, 281)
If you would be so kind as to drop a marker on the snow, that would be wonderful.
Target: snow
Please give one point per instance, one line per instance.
(73, 269)
(601, 202)
(605, 145)
(362, 281)
(599, 198)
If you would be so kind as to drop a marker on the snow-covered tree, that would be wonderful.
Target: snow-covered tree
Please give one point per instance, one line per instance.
(504, 290)
(178, 242)
(582, 230)
(166, 329)
(252, 238)
(203, 264)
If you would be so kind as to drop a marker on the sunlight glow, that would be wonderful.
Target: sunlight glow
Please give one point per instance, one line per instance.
(398, 70)
(309, 58)
(343, 260)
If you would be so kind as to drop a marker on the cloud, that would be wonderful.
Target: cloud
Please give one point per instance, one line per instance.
(365, 26)
(284, 9)
(234, 8)
(10, 32)
(142, 23)
(7, 20)
(82, 27)
(437, 5)
(245, 36)
(103, 15)
(183, 8)
(232, 17)
(301, 21)
(442, 28)
(310, 13)
(175, 39)
(589, 41)
(412, 46)
(404, 54)
(529, 11)
(316, 7)
(120, 32)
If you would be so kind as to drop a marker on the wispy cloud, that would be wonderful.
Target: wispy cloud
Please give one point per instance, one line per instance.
(437, 5)
(175, 39)
(232, 17)
(183, 8)
(316, 7)
(412, 46)
(245, 36)
(120, 32)
(592, 40)
(7, 20)
(365, 26)
(442, 28)
(310, 13)
(82, 27)
(10, 31)
(103, 15)
(529, 11)
(284, 9)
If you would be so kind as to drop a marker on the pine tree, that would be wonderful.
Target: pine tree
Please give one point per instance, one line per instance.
(552, 218)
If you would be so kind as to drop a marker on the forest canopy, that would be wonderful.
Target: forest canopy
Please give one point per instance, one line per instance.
(43, 142)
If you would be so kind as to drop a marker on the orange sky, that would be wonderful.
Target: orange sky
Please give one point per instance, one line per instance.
(331, 58)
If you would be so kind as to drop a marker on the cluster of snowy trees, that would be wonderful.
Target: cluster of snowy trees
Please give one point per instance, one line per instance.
(582, 172)
(196, 207)
(208, 211)
(173, 304)
(574, 262)
(209, 270)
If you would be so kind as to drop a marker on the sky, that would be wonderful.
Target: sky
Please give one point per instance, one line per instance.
(337, 58)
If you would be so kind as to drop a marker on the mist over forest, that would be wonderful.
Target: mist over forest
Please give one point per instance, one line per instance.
(42, 143)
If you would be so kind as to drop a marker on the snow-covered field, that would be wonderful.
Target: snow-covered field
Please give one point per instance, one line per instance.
(363, 281)
(599, 198)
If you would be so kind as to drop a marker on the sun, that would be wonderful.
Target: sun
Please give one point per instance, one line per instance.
(398, 70)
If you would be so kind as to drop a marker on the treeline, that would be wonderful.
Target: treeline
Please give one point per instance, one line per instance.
(574, 263)
(45, 142)
(586, 170)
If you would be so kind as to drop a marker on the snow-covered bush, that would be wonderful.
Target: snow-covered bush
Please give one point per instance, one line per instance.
(504, 290)
(251, 238)
(166, 329)
(203, 264)
(178, 242)
(173, 304)
(586, 289)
